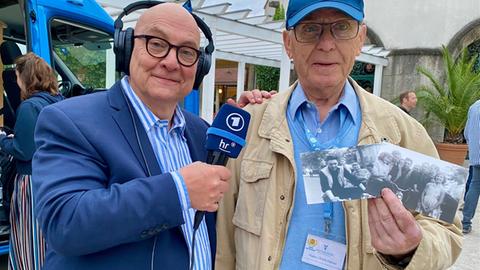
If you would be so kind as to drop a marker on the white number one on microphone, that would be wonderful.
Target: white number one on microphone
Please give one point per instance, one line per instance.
(235, 121)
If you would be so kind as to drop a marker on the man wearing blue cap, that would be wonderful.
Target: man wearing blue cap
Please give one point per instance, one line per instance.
(264, 221)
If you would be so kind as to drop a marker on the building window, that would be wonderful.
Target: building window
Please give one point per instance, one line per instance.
(364, 75)
(474, 51)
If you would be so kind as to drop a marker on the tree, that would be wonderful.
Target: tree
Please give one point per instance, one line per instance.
(267, 77)
(279, 13)
(88, 66)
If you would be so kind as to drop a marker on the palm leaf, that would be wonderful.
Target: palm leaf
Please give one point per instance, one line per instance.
(449, 100)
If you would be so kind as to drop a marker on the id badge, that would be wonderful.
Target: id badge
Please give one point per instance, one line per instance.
(324, 253)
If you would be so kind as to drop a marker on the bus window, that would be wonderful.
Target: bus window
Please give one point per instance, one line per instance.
(83, 51)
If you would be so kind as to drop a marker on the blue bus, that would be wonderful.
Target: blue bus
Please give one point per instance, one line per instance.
(73, 36)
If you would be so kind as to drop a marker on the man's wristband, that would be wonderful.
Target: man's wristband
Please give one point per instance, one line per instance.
(401, 262)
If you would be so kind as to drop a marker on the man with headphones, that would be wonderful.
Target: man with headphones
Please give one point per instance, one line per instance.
(118, 173)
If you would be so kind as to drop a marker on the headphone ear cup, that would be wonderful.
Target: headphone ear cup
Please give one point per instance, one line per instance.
(118, 48)
(203, 67)
(127, 53)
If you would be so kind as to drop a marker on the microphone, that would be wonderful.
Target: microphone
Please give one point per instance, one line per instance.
(225, 139)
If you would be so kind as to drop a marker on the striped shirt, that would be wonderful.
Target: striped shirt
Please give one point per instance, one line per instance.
(172, 153)
(472, 133)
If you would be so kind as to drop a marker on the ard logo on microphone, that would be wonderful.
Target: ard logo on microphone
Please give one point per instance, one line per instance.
(235, 122)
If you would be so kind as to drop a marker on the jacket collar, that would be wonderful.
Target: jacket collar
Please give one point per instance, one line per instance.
(368, 131)
(348, 100)
(274, 120)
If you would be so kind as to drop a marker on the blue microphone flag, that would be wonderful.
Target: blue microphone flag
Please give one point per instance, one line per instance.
(228, 131)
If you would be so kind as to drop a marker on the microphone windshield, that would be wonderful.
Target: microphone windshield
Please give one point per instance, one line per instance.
(228, 131)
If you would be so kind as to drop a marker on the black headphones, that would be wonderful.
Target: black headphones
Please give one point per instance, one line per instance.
(123, 42)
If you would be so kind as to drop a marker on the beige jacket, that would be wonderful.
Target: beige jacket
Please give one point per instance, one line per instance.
(254, 215)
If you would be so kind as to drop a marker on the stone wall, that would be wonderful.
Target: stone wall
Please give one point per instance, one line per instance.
(401, 75)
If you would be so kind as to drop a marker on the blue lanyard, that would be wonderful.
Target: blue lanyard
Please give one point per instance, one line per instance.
(315, 144)
(312, 139)
(327, 217)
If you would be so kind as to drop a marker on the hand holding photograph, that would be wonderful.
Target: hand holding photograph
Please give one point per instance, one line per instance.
(427, 185)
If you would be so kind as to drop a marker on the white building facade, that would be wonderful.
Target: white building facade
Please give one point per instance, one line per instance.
(414, 32)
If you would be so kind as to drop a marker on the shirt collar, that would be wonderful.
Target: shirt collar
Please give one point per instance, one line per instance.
(348, 99)
(148, 119)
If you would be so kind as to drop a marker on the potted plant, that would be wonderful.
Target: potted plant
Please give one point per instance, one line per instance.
(449, 101)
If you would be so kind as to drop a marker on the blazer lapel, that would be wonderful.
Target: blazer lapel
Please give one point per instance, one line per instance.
(134, 135)
(194, 133)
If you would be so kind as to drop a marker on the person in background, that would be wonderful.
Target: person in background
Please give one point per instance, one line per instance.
(408, 101)
(38, 89)
(264, 221)
(472, 135)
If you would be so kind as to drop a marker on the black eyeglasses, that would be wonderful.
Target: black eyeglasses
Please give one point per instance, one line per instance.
(159, 48)
(311, 32)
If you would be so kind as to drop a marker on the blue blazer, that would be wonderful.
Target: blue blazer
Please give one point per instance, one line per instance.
(94, 201)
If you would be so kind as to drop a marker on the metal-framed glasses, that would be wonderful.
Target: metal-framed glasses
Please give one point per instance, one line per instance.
(159, 48)
(310, 32)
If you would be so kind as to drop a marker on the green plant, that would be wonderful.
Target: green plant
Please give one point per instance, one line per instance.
(88, 66)
(279, 13)
(267, 77)
(450, 100)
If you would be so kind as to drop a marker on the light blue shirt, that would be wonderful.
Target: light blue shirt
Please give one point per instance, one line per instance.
(472, 133)
(339, 129)
(346, 109)
(172, 153)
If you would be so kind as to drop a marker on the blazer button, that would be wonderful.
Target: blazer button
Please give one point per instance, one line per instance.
(157, 229)
(282, 197)
(152, 232)
(144, 234)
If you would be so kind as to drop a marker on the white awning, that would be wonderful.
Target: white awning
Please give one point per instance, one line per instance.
(245, 38)
(241, 37)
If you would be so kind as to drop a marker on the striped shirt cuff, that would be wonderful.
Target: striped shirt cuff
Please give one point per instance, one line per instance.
(181, 190)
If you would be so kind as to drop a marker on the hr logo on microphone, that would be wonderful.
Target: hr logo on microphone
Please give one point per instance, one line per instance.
(235, 122)
(224, 146)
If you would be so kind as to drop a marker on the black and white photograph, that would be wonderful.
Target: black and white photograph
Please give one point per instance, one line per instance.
(424, 184)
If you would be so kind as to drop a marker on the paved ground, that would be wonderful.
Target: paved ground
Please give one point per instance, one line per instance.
(470, 257)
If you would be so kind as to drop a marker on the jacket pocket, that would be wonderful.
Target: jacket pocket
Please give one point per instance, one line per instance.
(254, 180)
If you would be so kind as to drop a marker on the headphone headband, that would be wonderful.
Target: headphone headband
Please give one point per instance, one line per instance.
(206, 31)
(133, 7)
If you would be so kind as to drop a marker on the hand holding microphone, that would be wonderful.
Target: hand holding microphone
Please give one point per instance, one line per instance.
(225, 139)
(206, 184)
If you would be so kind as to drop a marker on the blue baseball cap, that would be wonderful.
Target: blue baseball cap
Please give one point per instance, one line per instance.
(299, 9)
